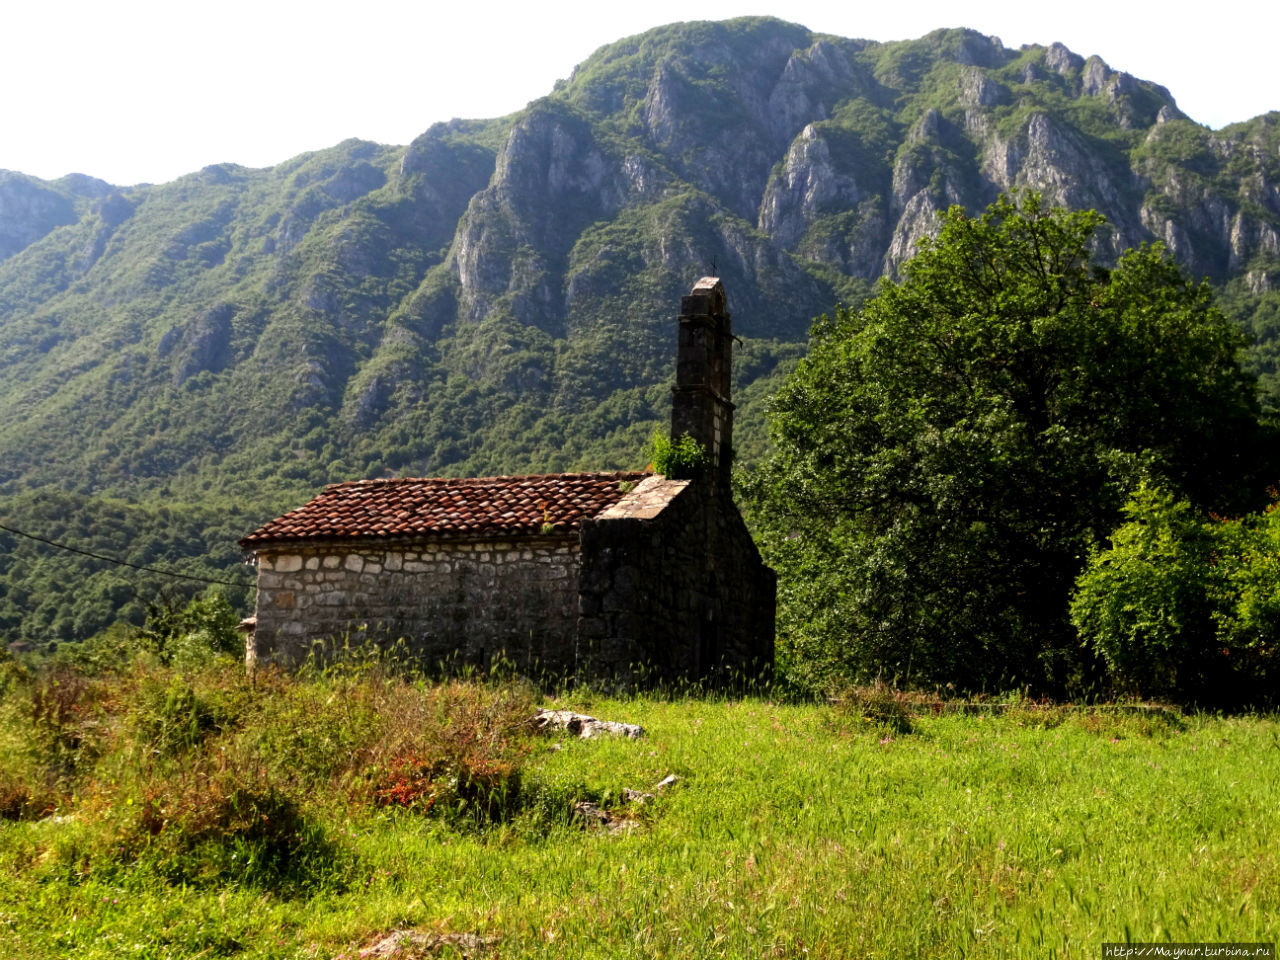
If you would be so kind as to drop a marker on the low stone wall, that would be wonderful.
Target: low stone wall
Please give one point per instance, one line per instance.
(445, 599)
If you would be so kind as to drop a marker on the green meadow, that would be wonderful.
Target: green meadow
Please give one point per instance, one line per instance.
(155, 811)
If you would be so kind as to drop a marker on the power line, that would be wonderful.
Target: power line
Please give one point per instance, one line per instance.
(124, 563)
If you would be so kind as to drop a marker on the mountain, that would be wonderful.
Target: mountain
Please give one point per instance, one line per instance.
(499, 295)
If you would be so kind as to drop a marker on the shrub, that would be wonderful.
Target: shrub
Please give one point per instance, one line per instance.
(62, 709)
(1247, 614)
(205, 628)
(23, 800)
(1145, 604)
(213, 821)
(680, 458)
(13, 675)
(455, 748)
(172, 717)
(1181, 606)
(207, 776)
(1119, 722)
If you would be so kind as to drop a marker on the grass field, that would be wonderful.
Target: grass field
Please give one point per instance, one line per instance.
(191, 815)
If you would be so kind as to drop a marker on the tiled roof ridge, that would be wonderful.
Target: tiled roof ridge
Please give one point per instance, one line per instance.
(573, 475)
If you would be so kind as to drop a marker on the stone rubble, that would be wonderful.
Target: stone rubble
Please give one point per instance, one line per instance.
(592, 816)
(585, 727)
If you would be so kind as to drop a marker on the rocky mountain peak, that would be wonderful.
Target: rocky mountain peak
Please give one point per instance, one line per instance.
(1062, 61)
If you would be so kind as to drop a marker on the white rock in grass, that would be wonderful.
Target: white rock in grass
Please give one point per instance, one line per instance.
(580, 725)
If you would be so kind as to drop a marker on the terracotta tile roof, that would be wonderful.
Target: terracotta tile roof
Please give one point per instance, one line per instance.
(481, 506)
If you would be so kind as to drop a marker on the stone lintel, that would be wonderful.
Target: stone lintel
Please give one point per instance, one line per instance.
(703, 388)
(697, 319)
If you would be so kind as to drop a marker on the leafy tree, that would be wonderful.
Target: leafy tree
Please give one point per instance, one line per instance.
(204, 627)
(947, 455)
(1183, 606)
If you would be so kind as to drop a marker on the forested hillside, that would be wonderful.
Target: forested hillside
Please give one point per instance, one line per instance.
(180, 361)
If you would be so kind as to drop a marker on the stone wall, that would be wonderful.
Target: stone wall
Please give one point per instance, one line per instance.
(443, 598)
(665, 584)
(674, 588)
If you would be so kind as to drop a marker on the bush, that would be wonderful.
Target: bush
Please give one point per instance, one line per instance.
(63, 707)
(23, 800)
(1182, 606)
(205, 628)
(173, 717)
(1145, 604)
(202, 776)
(1247, 614)
(216, 821)
(680, 458)
(456, 748)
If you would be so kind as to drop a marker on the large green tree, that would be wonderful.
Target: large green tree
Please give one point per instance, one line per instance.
(947, 455)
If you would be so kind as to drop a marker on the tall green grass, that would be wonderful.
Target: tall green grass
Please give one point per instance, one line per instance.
(196, 814)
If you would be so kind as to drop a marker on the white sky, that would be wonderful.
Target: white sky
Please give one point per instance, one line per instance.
(140, 90)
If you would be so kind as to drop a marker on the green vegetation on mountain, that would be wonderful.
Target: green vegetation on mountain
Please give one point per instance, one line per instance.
(499, 295)
(49, 595)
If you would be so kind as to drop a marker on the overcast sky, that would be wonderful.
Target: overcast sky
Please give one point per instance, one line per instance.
(138, 90)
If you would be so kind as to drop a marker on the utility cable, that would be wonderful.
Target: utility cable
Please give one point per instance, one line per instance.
(124, 563)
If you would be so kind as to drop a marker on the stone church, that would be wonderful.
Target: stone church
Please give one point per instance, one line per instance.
(587, 575)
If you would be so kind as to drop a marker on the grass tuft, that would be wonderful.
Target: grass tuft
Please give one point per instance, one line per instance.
(877, 705)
